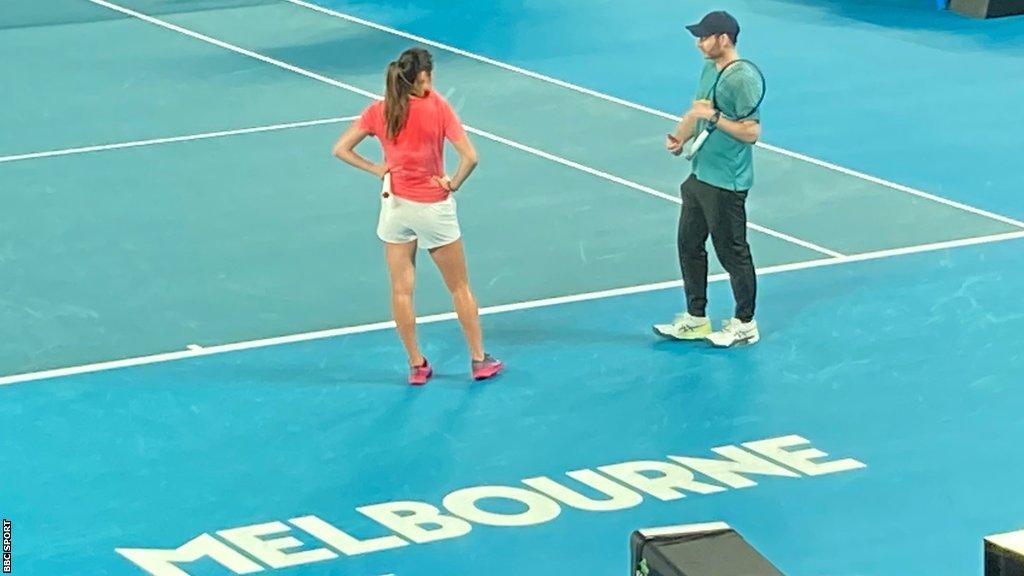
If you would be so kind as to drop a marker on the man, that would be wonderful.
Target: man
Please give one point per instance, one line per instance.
(714, 197)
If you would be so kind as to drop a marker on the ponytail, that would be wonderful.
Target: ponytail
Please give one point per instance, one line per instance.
(401, 79)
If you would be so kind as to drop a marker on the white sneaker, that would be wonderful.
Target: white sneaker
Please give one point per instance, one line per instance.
(685, 327)
(735, 332)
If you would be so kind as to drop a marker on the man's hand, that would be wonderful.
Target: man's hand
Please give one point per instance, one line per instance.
(673, 145)
(702, 110)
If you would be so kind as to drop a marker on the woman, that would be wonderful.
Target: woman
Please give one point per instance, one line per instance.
(417, 209)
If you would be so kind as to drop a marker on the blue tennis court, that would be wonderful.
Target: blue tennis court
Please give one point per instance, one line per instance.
(200, 377)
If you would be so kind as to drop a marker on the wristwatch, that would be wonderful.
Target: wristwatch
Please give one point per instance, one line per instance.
(714, 119)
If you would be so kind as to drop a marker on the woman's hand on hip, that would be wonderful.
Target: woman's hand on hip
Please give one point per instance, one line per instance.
(445, 183)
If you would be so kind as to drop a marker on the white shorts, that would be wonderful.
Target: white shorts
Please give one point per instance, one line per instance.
(432, 224)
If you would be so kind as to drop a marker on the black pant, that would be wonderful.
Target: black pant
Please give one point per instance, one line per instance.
(723, 214)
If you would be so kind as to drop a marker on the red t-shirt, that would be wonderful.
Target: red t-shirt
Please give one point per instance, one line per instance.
(417, 155)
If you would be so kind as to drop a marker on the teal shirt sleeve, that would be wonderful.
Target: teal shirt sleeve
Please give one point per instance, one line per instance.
(738, 93)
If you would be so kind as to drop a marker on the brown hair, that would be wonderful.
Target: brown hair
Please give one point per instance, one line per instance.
(401, 78)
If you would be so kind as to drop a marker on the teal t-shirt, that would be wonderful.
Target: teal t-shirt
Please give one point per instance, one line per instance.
(723, 161)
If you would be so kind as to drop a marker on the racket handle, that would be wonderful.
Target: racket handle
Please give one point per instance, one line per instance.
(697, 144)
(385, 187)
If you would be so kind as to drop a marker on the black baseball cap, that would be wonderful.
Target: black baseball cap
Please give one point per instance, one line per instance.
(715, 23)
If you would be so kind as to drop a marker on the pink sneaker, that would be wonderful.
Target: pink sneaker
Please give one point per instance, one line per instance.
(418, 375)
(486, 368)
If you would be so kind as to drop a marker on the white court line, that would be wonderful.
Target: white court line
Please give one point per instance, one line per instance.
(530, 304)
(485, 134)
(666, 115)
(203, 136)
(645, 189)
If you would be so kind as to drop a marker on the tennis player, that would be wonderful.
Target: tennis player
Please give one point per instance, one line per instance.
(417, 206)
(714, 197)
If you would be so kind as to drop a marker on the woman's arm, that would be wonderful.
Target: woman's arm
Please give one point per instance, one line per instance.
(344, 149)
(467, 163)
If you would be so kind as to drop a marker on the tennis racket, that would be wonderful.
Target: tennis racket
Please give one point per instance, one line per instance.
(737, 94)
(385, 187)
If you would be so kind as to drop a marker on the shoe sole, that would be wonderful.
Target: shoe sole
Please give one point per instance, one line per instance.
(677, 338)
(740, 343)
(488, 375)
